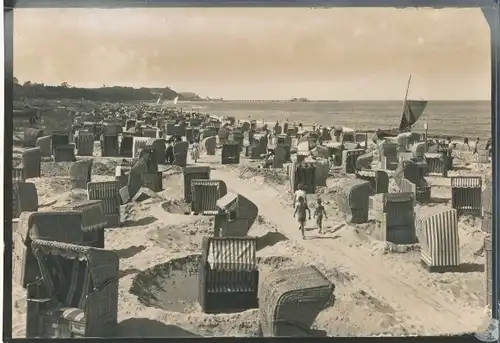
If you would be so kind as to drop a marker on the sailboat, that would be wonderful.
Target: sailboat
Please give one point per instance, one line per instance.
(176, 100)
(412, 110)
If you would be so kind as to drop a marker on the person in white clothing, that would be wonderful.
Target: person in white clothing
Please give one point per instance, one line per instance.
(299, 193)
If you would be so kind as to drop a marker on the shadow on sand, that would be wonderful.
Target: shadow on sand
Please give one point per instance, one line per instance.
(130, 251)
(148, 328)
(270, 239)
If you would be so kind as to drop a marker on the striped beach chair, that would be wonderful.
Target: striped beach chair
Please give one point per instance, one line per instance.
(204, 195)
(228, 274)
(191, 173)
(397, 224)
(83, 281)
(80, 173)
(109, 193)
(437, 233)
(466, 194)
(85, 143)
(379, 180)
(230, 153)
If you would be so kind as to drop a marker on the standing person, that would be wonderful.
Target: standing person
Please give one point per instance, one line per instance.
(466, 142)
(195, 151)
(170, 152)
(300, 192)
(475, 146)
(319, 212)
(301, 211)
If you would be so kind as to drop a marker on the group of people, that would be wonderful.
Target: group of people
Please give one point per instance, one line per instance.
(303, 213)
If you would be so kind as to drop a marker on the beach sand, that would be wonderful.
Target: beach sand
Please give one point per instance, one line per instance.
(377, 292)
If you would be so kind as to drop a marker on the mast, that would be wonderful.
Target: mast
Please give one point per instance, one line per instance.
(406, 96)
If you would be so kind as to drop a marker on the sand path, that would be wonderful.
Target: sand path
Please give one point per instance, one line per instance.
(409, 296)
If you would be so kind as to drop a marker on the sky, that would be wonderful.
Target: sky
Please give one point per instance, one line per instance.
(252, 53)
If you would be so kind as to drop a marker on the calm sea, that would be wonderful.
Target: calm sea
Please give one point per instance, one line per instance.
(453, 118)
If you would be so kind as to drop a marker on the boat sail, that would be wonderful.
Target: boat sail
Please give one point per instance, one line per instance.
(412, 111)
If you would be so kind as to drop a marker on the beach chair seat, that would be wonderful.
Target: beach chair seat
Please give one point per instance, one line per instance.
(80, 173)
(181, 153)
(127, 145)
(303, 173)
(64, 153)
(230, 153)
(159, 149)
(205, 193)
(191, 173)
(437, 164)
(85, 146)
(77, 293)
(59, 137)
(396, 223)
(466, 194)
(210, 145)
(228, 274)
(291, 299)
(108, 192)
(349, 158)
(24, 198)
(379, 180)
(31, 162)
(109, 145)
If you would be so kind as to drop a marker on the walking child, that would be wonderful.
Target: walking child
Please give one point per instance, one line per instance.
(301, 210)
(319, 212)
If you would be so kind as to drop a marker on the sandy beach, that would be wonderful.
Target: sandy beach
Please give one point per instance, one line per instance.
(377, 291)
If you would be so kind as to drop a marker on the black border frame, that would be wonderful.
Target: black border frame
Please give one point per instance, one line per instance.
(491, 11)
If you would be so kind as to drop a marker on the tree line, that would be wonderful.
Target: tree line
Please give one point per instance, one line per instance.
(33, 90)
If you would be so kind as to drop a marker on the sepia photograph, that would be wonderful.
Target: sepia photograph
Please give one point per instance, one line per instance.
(251, 172)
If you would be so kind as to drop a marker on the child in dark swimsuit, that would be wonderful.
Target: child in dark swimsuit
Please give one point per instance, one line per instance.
(319, 212)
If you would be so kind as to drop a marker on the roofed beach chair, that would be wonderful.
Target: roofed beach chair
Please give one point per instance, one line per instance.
(77, 293)
(290, 301)
(437, 233)
(228, 274)
(466, 194)
(204, 195)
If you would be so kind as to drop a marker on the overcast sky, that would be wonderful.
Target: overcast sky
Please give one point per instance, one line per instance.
(359, 54)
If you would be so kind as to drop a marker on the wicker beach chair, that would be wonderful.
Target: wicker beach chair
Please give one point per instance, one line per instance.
(64, 153)
(413, 173)
(109, 145)
(80, 173)
(24, 198)
(210, 145)
(139, 144)
(228, 274)
(379, 180)
(93, 220)
(388, 155)
(108, 192)
(32, 163)
(159, 147)
(229, 221)
(59, 137)
(57, 226)
(437, 233)
(437, 164)
(466, 194)
(305, 174)
(77, 294)
(354, 200)
(230, 153)
(44, 144)
(204, 195)
(127, 145)
(349, 158)
(30, 136)
(291, 299)
(191, 173)
(396, 221)
(149, 156)
(85, 145)
(181, 153)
